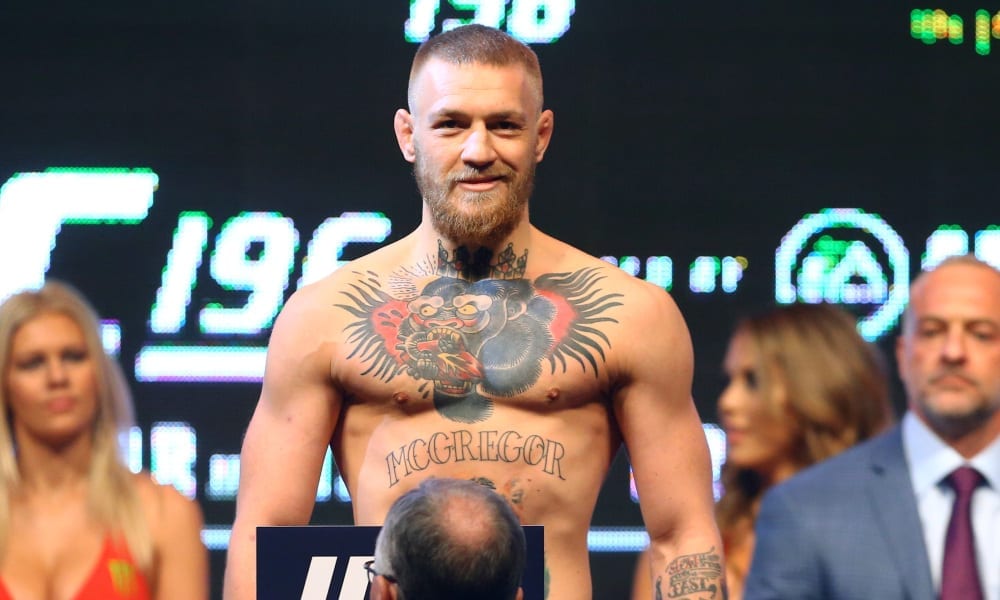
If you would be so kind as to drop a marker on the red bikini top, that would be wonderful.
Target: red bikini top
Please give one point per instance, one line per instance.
(114, 577)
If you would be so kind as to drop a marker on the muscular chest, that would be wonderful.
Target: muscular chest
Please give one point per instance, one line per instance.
(483, 396)
(546, 434)
(463, 349)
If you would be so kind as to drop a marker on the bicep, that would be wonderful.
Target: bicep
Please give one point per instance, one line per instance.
(663, 432)
(290, 430)
(283, 453)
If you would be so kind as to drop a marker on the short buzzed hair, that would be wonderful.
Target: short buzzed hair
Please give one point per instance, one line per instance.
(471, 44)
(959, 259)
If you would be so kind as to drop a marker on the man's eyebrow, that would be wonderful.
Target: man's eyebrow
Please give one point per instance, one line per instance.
(451, 113)
(966, 321)
(506, 114)
(448, 113)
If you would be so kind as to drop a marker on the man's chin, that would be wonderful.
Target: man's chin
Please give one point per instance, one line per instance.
(953, 414)
(474, 234)
(474, 202)
(467, 223)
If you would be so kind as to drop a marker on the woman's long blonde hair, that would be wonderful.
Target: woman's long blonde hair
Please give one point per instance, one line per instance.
(835, 387)
(112, 496)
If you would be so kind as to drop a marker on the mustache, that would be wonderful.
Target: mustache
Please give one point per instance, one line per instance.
(937, 377)
(473, 173)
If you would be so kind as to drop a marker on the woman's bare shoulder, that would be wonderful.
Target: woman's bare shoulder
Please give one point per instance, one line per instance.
(167, 510)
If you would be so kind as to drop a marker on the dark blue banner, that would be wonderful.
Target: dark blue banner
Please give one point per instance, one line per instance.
(327, 562)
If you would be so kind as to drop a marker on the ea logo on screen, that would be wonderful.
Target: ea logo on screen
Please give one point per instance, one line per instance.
(845, 256)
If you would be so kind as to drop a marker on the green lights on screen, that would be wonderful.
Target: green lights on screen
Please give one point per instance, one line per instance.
(934, 25)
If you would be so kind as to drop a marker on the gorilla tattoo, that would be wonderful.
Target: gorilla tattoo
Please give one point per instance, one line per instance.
(475, 339)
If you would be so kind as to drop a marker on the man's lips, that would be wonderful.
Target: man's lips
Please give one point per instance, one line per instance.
(952, 380)
(480, 183)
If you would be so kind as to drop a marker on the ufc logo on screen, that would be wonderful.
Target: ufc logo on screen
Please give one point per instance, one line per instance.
(320, 577)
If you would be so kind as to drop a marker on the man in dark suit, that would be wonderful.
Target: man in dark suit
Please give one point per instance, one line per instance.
(877, 521)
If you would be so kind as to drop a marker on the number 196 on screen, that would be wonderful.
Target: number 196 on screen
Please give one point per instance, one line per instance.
(530, 21)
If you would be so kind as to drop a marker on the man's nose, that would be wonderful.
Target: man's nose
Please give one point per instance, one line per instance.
(953, 350)
(478, 149)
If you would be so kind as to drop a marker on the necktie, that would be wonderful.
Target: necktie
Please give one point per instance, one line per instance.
(959, 573)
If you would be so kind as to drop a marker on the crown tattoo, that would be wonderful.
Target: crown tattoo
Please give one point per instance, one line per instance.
(463, 264)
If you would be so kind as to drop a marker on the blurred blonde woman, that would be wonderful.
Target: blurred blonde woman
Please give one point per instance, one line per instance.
(75, 523)
(803, 386)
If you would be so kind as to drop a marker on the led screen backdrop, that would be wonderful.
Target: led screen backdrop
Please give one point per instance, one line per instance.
(189, 165)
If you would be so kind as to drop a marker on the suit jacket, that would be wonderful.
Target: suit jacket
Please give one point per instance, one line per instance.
(844, 529)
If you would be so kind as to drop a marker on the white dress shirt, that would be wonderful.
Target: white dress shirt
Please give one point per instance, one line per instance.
(930, 460)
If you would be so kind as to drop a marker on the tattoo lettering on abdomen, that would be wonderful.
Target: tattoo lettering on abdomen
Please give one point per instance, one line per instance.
(694, 576)
(482, 338)
(442, 448)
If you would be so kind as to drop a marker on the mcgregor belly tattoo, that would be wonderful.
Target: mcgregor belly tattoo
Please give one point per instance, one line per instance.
(442, 448)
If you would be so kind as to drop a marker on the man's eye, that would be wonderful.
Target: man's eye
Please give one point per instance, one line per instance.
(984, 333)
(450, 124)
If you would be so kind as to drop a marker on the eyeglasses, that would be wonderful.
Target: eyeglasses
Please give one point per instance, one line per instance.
(372, 573)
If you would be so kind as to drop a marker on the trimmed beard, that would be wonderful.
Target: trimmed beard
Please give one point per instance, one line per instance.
(955, 425)
(488, 226)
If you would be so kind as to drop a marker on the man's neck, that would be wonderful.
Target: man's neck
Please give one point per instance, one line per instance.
(968, 443)
(470, 261)
(483, 263)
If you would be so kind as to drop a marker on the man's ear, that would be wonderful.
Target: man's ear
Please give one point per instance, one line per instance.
(543, 129)
(520, 594)
(382, 589)
(403, 124)
(901, 355)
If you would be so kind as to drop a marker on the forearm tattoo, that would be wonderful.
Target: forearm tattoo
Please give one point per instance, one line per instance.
(693, 577)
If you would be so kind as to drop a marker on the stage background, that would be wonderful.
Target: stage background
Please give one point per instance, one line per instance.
(698, 144)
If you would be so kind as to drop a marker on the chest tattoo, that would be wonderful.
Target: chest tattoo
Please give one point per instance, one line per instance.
(472, 339)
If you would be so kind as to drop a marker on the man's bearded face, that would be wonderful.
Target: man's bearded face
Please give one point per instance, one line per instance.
(461, 216)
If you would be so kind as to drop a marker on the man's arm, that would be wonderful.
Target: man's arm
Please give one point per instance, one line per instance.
(668, 451)
(288, 435)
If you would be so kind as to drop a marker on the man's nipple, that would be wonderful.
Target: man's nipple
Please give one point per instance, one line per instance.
(400, 398)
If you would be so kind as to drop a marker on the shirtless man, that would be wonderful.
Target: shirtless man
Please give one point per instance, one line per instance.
(478, 347)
